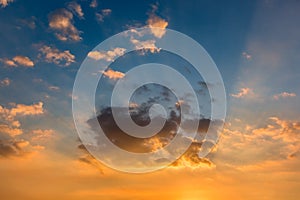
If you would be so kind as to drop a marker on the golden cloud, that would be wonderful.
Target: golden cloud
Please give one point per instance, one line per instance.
(114, 75)
(53, 55)
(61, 21)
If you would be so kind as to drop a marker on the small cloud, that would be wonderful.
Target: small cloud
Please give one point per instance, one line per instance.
(53, 55)
(145, 45)
(247, 56)
(5, 82)
(243, 92)
(8, 62)
(5, 3)
(104, 13)
(284, 95)
(53, 88)
(94, 4)
(156, 23)
(61, 21)
(114, 75)
(108, 55)
(76, 9)
(23, 60)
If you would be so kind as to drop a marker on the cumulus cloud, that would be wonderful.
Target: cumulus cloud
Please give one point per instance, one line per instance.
(53, 55)
(101, 15)
(61, 21)
(107, 55)
(284, 95)
(114, 75)
(76, 9)
(243, 92)
(156, 23)
(5, 3)
(5, 82)
(23, 110)
(11, 131)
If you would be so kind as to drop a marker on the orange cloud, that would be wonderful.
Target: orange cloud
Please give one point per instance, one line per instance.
(5, 3)
(156, 23)
(114, 75)
(23, 60)
(22, 109)
(243, 92)
(284, 95)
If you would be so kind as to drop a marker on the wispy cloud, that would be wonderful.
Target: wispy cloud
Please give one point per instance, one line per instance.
(94, 4)
(243, 92)
(61, 21)
(76, 9)
(284, 95)
(247, 56)
(53, 55)
(102, 14)
(5, 82)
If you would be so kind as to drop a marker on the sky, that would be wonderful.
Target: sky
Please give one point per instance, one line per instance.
(254, 44)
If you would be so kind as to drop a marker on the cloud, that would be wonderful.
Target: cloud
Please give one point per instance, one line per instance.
(61, 21)
(40, 135)
(11, 131)
(104, 13)
(147, 45)
(53, 88)
(108, 55)
(76, 9)
(23, 60)
(156, 23)
(243, 92)
(94, 4)
(139, 115)
(247, 56)
(275, 139)
(53, 55)
(114, 75)
(8, 62)
(23, 110)
(13, 148)
(5, 3)
(5, 82)
(284, 95)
